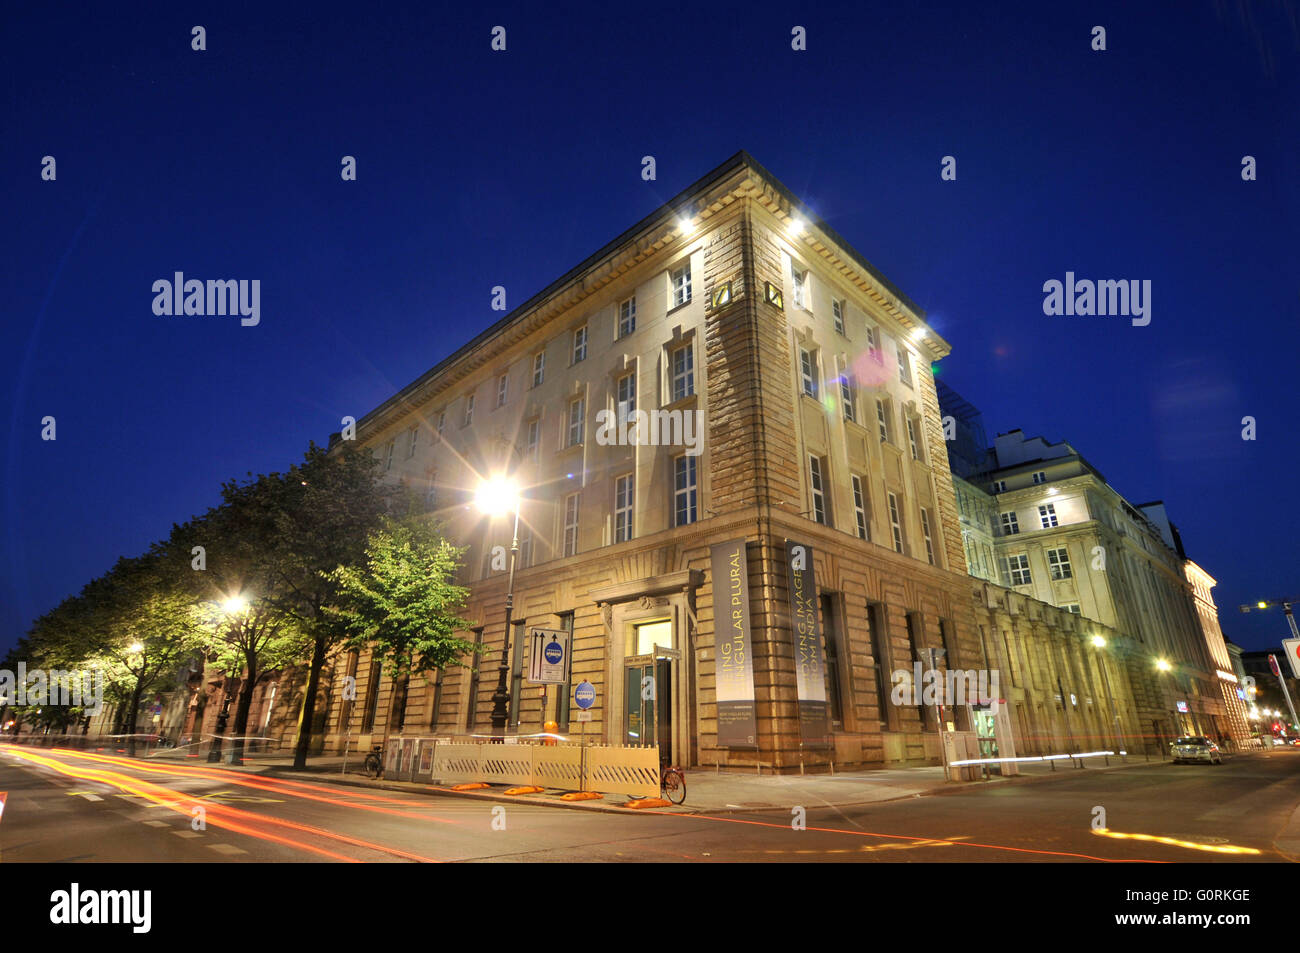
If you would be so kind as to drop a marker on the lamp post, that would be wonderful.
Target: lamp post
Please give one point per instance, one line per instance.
(497, 496)
(234, 606)
(1100, 643)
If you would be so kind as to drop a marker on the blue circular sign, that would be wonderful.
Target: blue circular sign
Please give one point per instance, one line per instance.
(585, 695)
(553, 653)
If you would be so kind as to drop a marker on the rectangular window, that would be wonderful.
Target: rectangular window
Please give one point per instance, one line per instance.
(860, 507)
(431, 494)
(525, 547)
(539, 368)
(532, 442)
(516, 672)
(414, 434)
(469, 411)
(625, 402)
(847, 386)
(904, 366)
(808, 372)
(580, 344)
(911, 439)
(1072, 607)
(503, 389)
(882, 420)
(925, 531)
(577, 413)
(837, 314)
(895, 523)
(800, 289)
(571, 525)
(817, 484)
(388, 455)
(627, 317)
(831, 637)
(681, 279)
(1010, 526)
(1047, 515)
(372, 697)
(471, 687)
(442, 422)
(683, 372)
(684, 490)
(1017, 568)
(1040, 477)
(885, 709)
(873, 344)
(435, 705)
(914, 646)
(1058, 562)
(623, 487)
(999, 486)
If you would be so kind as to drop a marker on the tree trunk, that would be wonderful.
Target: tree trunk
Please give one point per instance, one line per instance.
(241, 712)
(134, 714)
(303, 742)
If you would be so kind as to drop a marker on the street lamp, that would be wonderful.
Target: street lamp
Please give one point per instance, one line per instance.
(232, 606)
(1100, 643)
(496, 497)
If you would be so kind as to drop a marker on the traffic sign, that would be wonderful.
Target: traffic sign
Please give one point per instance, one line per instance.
(549, 660)
(3, 795)
(584, 696)
(1272, 663)
(582, 716)
(1292, 648)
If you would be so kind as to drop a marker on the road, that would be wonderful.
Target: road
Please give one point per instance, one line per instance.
(84, 807)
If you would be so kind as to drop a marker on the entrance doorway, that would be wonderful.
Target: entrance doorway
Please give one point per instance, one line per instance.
(649, 687)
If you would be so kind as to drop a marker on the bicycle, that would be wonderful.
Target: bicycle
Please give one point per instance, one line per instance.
(374, 763)
(672, 783)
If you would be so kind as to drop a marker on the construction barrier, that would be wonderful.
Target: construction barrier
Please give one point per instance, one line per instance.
(611, 769)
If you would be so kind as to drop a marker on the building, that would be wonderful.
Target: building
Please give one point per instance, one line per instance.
(773, 538)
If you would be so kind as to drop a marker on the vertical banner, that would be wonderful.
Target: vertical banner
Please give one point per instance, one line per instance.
(737, 723)
(810, 665)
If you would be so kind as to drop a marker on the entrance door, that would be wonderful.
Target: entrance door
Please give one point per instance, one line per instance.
(648, 691)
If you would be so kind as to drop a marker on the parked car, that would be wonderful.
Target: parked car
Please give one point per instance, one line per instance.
(1196, 748)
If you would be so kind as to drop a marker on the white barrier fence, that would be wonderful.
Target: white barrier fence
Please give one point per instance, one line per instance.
(608, 769)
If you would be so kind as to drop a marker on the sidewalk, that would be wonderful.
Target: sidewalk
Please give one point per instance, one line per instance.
(709, 791)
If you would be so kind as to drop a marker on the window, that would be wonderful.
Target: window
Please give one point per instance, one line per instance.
(539, 368)
(873, 344)
(442, 422)
(837, 314)
(623, 508)
(580, 344)
(469, 411)
(895, 524)
(1018, 569)
(1072, 607)
(566, 690)
(885, 710)
(627, 317)
(847, 385)
(1047, 515)
(414, 434)
(577, 411)
(860, 507)
(372, 697)
(904, 366)
(1040, 477)
(503, 389)
(625, 403)
(829, 606)
(882, 419)
(471, 690)
(801, 289)
(683, 372)
(817, 485)
(684, 490)
(1010, 526)
(808, 372)
(1058, 562)
(533, 438)
(571, 525)
(431, 494)
(388, 455)
(999, 486)
(925, 531)
(911, 439)
(516, 671)
(681, 279)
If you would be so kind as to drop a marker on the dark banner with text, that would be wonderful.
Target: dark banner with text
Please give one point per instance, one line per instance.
(810, 664)
(737, 723)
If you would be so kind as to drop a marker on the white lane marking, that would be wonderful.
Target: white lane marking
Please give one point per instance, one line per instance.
(227, 849)
(156, 823)
(187, 833)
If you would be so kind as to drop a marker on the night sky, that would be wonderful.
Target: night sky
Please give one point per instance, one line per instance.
(478, 169)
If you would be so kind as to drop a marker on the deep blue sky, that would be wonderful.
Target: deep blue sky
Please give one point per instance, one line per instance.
(479, 168)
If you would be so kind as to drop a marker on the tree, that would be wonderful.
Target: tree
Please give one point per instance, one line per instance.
(400, 600)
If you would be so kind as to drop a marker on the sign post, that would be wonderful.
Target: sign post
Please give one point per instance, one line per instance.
(584, 696)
